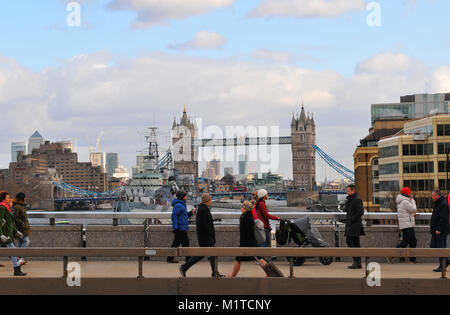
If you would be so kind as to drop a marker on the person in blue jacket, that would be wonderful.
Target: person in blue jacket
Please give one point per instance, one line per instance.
(180, 222)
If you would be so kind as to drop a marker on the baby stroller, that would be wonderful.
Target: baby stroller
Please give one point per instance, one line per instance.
(303, 234)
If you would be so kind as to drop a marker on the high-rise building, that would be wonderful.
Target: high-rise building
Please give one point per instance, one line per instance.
(243, 165)
(212, 170)
(98, 159)
(17, 147)
(35, 141)
(412, 106)
(112, 162)
(303, 134)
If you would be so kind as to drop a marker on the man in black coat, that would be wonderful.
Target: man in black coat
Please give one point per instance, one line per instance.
(353, 224)
(205, 233)
(439, 226)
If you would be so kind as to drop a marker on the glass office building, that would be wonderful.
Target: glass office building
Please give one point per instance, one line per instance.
(412, 106)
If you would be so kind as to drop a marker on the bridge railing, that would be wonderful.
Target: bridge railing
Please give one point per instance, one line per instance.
(216, 252)
(115, 216)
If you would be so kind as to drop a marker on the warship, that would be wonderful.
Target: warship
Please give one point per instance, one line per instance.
(153, 184)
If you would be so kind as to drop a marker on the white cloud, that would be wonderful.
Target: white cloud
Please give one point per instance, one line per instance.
(95, 92)
(307, 8)
(202, 40)
(157, 12)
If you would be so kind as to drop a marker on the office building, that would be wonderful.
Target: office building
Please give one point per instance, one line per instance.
(412, 106)
(17, 147)
(112, 162)
(415, 158)
(35, 142)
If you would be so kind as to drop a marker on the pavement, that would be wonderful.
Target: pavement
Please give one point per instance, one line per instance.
(160, 269)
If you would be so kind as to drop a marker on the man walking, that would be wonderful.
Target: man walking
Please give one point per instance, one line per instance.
(205, 233)
(439, 226)
(21, 222)
(353, 225)
(180, 222)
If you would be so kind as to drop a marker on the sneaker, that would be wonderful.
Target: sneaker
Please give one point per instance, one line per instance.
(182, 272)
(219, 275)
(438, 269)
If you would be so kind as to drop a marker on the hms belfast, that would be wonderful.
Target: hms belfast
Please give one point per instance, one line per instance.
(153, 185)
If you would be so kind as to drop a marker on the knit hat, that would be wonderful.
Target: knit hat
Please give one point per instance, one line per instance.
(261, 193)
(206, 198)
(20, 196)
(406, 191)
(180, 194)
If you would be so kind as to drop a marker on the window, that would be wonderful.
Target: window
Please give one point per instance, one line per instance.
(417, 149)
(386, 169)
(389, 186)
(443, 130)
(388, 151)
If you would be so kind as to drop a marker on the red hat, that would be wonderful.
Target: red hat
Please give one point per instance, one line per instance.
(406, 191)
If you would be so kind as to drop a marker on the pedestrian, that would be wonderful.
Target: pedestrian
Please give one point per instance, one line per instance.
(247, 236)
(406, 208)
(8, 230)
(353, 224)
(262, 214)
(439, 226)
(180, 222)
(205, 233)
(21, 223)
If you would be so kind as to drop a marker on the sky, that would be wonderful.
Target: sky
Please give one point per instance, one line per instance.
(76, 69)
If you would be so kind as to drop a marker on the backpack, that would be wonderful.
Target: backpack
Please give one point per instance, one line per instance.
(260, 234)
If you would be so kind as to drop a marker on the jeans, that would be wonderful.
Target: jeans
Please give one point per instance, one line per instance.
(24, 242)
(439, 241)
(268, 238)
(13, 258)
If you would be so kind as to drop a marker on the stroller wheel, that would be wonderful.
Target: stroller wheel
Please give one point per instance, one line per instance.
(326, 260)
(298, 261)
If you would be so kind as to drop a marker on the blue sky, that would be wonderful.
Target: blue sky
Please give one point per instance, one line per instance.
(35, 33)
(323, 52)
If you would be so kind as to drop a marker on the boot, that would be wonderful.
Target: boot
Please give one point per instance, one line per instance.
(18, 272)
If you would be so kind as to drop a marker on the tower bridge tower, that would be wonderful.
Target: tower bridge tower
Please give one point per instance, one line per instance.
(303, 134)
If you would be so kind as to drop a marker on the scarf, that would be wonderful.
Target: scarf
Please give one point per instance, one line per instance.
(4, 204)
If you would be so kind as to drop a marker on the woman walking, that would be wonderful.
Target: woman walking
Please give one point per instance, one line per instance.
(8, 230)
(406, 208)
(21, 222)
(263, 214)
(247, 236)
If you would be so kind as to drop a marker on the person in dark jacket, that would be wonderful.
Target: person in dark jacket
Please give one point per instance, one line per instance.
(180, 222)
(8, 230)
(439, 226)
(247, 236)
(205, 233)
(353, 224)
(21, 222)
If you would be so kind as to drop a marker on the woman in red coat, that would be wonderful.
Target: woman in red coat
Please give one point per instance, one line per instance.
(263, 214)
